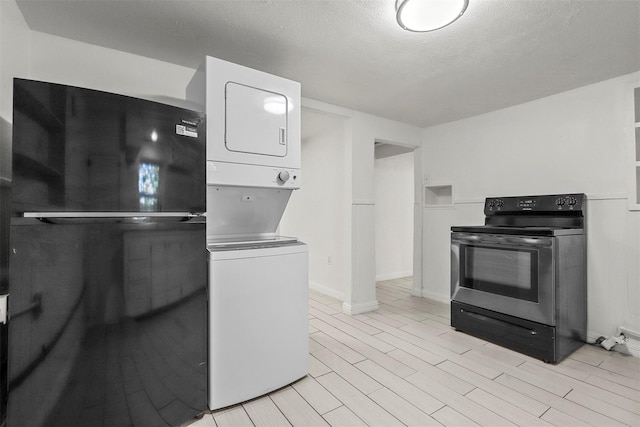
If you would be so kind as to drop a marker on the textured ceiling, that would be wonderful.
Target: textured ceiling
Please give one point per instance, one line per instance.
(352, 53)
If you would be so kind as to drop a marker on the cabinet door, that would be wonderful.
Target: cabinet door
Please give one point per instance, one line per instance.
(255, 120)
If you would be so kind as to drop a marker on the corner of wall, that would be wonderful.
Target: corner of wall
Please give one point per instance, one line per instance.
(353, 309)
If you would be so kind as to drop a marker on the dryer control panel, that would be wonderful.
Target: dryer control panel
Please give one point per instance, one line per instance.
(239, 175)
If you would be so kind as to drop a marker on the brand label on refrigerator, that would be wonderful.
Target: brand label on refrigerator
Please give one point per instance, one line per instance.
(186, 131)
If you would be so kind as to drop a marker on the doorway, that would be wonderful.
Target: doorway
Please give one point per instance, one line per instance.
(394, 173)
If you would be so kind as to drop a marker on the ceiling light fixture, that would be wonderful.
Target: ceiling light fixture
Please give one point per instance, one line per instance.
(428, 15)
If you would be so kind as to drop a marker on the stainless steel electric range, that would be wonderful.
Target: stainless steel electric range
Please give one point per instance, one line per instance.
(520, 280)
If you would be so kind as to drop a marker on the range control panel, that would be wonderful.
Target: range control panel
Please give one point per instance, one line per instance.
(495, 203)
(544, 203)
(527, 204)
(566, 202)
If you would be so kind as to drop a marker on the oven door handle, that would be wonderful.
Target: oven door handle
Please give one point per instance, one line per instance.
(494, 239)
(529, 241)
(476, 238)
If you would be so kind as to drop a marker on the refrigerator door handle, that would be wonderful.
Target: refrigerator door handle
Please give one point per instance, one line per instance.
(79, 214)
(113, 217)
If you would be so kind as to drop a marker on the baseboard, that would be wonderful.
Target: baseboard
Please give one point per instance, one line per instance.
(330, 292)
(359, 308)
(392, 276)
(632, 347)
(435, 296)
(416, 292)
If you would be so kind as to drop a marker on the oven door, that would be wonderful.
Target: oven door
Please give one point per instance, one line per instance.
(507, 274)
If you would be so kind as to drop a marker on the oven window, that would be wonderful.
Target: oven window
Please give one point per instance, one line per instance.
(507, 272)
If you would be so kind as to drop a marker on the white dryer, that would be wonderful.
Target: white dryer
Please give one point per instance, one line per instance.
(253, 125)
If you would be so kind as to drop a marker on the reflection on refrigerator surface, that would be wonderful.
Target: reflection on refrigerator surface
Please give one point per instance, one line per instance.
(148, 183)
(113, 319)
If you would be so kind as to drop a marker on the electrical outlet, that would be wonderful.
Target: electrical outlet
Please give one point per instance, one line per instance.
(329, 261)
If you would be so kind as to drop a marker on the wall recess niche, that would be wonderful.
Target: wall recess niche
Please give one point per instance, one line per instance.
(438, 195)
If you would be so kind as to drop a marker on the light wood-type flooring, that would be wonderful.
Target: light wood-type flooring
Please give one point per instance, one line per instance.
(404, 365)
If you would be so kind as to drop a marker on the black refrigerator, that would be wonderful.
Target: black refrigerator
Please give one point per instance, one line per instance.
(106, 261)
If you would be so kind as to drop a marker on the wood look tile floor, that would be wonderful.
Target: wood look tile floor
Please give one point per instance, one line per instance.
(404, 365)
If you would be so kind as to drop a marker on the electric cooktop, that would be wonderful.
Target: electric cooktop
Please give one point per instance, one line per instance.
(522, 231)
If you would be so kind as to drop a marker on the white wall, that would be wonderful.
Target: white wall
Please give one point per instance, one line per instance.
(40, 56)
(317, 213)
(361, 132)
(15, 52)
(367, 129)
(394, 198)
(34, 55)
(576, 141)
(70, 62)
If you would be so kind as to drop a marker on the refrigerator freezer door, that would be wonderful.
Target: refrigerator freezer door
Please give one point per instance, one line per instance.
(82, 150)
(258, 322)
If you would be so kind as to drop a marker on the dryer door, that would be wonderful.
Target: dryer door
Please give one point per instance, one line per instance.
(255, 120)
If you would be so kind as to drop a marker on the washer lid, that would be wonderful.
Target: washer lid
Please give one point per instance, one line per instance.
(249, 243)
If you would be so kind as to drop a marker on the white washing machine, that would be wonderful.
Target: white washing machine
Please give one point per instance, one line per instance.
(258, 318)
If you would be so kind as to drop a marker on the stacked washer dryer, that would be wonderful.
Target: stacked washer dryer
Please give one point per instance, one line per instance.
(258, 280)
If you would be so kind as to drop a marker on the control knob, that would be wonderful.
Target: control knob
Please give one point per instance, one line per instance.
(283, 176)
